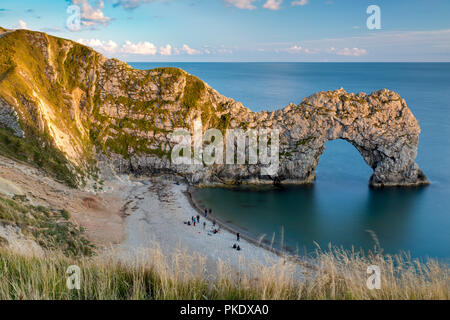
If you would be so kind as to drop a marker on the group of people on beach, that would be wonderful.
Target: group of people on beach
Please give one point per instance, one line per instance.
(195, 220)
(238, 238)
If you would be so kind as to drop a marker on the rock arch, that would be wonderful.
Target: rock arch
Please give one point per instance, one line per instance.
(380, 126)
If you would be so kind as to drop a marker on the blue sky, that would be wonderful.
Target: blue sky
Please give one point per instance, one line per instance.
(245, 30)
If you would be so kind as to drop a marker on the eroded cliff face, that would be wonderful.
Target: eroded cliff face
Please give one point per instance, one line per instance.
(93, 108)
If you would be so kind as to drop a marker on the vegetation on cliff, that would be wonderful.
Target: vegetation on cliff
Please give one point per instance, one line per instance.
(75, 103)
(50, 229)
(38, 150)
(42, 105)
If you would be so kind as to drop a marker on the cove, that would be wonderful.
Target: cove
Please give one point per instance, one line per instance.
(339, 208)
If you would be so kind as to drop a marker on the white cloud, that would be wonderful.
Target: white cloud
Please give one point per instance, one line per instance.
(132, 4)
(294, 49)
(224, 51)
(113, 49)
(22, 24)
(298, 49)
(166, 51)
(386, 42)
(354, 52)
(108, 47)
(188, 50)
(310, 51)
(299, 3)
(140, 48)
(391, 46)
(242, 4)
(90, 16)
(273, 4)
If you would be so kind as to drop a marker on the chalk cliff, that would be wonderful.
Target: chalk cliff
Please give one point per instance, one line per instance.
(89, 112)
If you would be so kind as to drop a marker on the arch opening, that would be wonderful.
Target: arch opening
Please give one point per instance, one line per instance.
(342, 161)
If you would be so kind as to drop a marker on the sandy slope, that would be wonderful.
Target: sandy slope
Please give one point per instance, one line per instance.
(133, 215)
(100, 214)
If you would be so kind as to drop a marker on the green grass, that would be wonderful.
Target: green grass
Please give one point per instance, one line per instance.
(38, 151)
(65, 214)
(304, 142)
(51, 229)
(192, 92)
(339, 275)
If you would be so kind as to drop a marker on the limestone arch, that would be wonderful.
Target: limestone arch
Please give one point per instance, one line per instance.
(386, 138)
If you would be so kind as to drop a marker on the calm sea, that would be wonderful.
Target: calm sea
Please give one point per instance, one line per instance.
(340, 207)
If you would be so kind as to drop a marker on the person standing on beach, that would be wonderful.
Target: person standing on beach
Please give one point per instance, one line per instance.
(198, 218)
(204, 225)
(238, 236)
(206, 213)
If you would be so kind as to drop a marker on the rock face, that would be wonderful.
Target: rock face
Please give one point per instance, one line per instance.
(380, 126)
(10, 119)
(126, 117)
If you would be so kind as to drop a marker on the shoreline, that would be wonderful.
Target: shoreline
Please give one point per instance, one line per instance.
(157, 214)
(286, 253)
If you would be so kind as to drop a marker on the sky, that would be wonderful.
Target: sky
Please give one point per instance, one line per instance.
(244, 30)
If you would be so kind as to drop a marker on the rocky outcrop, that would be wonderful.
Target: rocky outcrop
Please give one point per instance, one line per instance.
(380, 126)
(12, 238)
(9, 119)
(127, 116)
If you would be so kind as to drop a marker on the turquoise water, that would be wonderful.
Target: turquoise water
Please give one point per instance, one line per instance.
(340, 207)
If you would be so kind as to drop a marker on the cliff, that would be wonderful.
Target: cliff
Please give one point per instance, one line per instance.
(71, 111)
